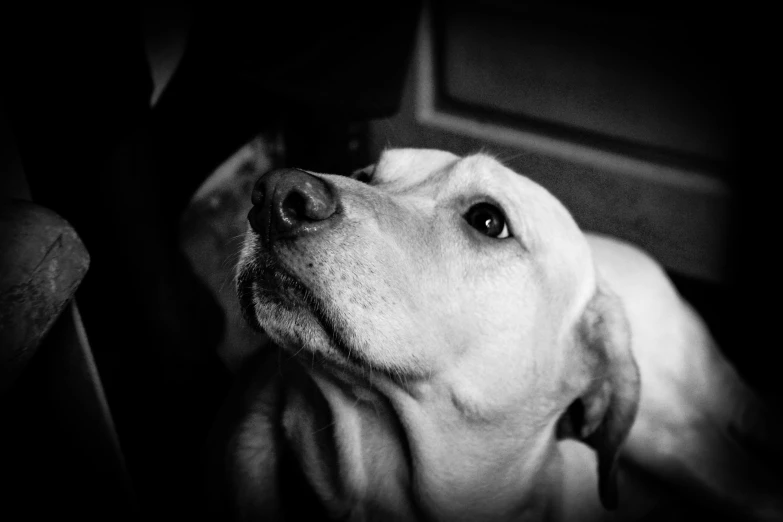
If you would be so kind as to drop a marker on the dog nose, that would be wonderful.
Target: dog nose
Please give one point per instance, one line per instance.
(290, 202)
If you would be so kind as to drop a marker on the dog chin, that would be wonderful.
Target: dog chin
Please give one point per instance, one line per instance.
(276, 302)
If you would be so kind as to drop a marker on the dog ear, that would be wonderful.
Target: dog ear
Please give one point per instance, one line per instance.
(607, 381)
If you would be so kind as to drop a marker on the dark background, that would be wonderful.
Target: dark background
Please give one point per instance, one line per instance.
(75, 93)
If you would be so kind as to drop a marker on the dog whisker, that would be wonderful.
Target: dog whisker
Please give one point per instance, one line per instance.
(231, 259)
(300, 350)
(322, 428)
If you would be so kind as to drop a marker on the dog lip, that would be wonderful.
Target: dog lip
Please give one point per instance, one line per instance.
(265, 278)
(268, 279)
(245, 292)
(273, 280)
(277, 283)
(353, 359)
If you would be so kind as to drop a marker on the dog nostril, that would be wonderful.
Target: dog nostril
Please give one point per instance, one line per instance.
(309, 201)
(289, 202)
(295, 207)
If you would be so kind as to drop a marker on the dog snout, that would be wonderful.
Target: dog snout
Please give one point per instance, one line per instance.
(289, 203)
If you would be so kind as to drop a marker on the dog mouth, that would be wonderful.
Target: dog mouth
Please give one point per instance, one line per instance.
(264, 281)
(264, 285)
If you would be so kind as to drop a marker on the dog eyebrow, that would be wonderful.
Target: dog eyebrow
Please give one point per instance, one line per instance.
(412, 180)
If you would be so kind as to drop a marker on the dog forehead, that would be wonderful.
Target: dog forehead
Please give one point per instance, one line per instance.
(421, 170)
(413, 167)
(537, 216)
(439, 175)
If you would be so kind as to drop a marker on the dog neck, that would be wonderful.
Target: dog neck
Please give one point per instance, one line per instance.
(351, 448)
(469, 467)
(382, 456)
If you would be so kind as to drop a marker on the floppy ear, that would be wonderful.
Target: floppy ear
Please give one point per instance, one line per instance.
(607, 382)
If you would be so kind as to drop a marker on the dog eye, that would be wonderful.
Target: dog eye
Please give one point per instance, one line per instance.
(364, 175)
(487, 219)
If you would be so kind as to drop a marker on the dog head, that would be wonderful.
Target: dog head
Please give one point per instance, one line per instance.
(461, 291)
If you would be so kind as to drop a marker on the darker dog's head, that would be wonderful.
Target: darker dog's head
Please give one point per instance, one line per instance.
(463, 292)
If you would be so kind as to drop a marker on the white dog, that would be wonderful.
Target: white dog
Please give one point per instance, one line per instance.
(453, 347)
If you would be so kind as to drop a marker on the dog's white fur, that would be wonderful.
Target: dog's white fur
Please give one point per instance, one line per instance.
(466, 354)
